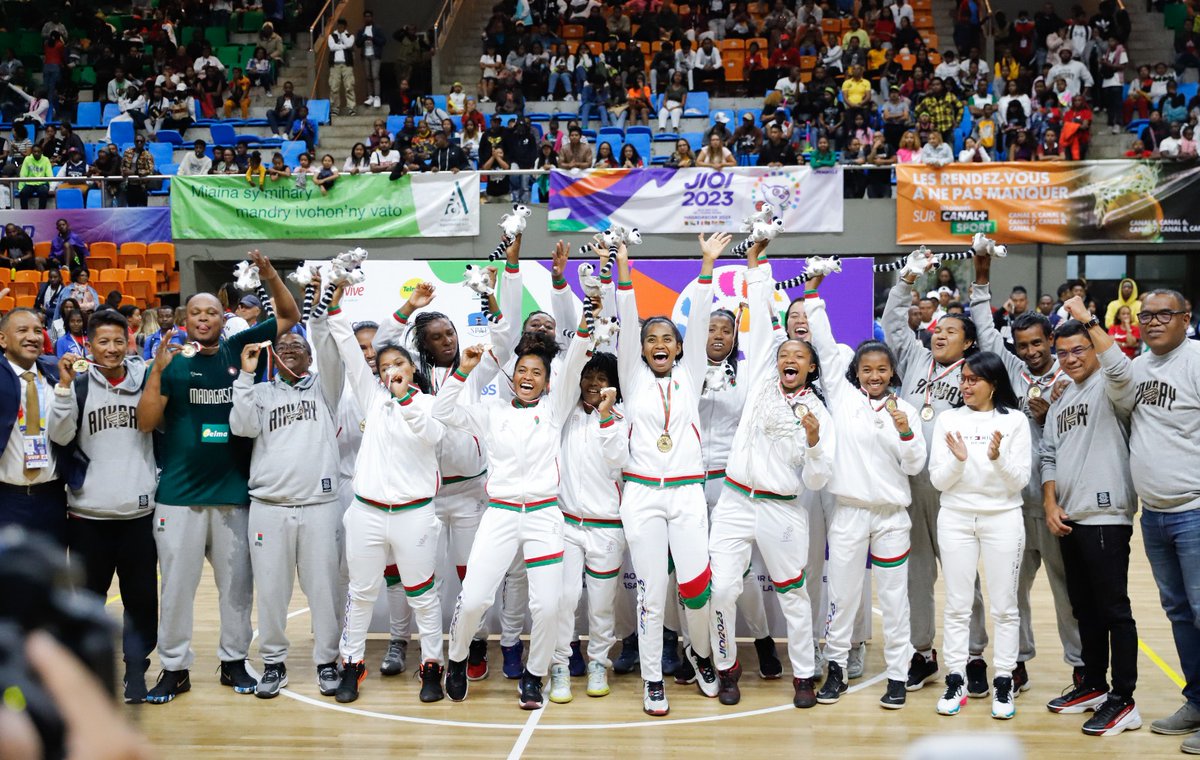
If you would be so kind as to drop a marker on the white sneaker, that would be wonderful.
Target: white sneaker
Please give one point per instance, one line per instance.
(955, 696)
(856, 662)
(654, 698)
(597, 675)
(378, 103)
(706, 674)
(1003, 707)
(560, 685)
(369, 102)
(569, 98)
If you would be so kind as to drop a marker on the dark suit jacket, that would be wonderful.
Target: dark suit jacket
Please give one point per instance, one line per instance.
(10, 402)
(297, 101)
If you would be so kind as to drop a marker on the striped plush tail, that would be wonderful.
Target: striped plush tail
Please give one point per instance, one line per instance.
(310, 292)
(589, 315)
(326, 299)
(896, 266)
(498, 253)
(486, 307)
(268, 304)
(589, 249)
(741, 248)
(793, 282)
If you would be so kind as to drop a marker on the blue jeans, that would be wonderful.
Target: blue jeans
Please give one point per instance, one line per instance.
(1173, 547)
(585, 114)
(555, 78)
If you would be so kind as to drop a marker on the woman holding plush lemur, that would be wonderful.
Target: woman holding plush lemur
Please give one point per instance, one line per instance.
(523, 437)
(663, 508)
(880, 446)
(783, 445)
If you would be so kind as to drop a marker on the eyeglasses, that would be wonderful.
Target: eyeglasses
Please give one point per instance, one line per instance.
(1162, 317)
(1078, 352)
(970, 380)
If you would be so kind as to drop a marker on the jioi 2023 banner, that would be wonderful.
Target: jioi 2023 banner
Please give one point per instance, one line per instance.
(1054, 202)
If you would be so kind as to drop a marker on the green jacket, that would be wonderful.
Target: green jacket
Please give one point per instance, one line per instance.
(32, 167)
(821, 160)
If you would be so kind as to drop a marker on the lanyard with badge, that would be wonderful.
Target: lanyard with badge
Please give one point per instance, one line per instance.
(33, 437)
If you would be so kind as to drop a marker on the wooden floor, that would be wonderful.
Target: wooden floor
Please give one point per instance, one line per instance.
(388, 720)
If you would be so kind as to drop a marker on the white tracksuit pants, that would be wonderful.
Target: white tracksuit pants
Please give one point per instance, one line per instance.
(286, 541)
(820, 506)
(459, 507)
(856, 533)
(412, 537)
(1000, 538)
(752, 609)
(659, 521)
(184, 536)
(537, 536)
(780, 528)
(1042, 549)
(592, 554)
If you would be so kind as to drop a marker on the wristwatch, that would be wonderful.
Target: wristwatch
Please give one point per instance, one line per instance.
(1093, 322)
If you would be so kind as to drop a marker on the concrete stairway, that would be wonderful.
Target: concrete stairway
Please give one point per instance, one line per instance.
(458, 60)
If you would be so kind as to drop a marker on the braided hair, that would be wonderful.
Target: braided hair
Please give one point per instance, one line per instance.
(731, 360)
(420, 330)
(541, 345)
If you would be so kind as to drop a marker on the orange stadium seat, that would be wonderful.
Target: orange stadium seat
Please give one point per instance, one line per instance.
(18, 288)
(7, 304)
(29, 275)
(132, 255)
(102, 255)
(42, 249)
(26, 302)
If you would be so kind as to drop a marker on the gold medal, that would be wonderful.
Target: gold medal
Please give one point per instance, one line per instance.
(362, 426)
(927, 413)
(890, 404)
(1035, 391)
(79, 366)
(801, 410)
(189, 350)
(664, 443)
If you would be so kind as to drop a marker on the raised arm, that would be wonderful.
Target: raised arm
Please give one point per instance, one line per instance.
(989, 338)
(565, 391)
(1117, 367)
(900, 336)
(332, 372)
(63, 421)
(820, 332)
(245, 418)
(629, 343)
(564, 307)
(449, 408)
(287, 313)
(393, 331)
(363, 383)
(759, 356)
(695, 342)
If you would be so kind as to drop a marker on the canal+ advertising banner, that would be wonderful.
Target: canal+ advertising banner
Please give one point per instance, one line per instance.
(694, 199)
(1049, 202)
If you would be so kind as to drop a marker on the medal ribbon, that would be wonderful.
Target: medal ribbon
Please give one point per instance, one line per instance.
(930, 379)
(1039, 380)
(871, 403)
(666, 402)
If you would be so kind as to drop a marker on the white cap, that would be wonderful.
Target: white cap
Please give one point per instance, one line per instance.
(722, 118)
(944, 289)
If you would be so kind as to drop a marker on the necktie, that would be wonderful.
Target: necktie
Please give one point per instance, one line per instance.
(33, 413)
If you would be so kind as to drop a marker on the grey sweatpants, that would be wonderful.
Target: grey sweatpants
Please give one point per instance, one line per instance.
(1042, 548)
(185, 536)
(922, 571)
(285, 541)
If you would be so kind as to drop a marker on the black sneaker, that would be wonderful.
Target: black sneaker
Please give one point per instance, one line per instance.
(273, 679)
(977, 683)
(1117, 714)
(530, 691)
(456, 680)
(328, 679)
(895, 696)
(477, 661)
(921, 671)
(706, 674)
(234, 674)
(1020, 679)
(769, 666)
(670, 653)
(806, 695)
(628, 660)
(834, 686)
(171, 683)
(1078, 699)
(353, 674)
(394, 661)
(431, 681)
(685, 673)
(135, 682)
(729, 693)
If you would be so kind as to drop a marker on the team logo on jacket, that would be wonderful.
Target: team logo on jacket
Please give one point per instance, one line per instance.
(162, 524)
(258, 539)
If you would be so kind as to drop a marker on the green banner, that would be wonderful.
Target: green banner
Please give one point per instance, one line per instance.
(357, 206)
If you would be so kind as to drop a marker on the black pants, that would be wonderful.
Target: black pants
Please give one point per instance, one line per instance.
(41, 508)
(1096, 558)
(126, 547)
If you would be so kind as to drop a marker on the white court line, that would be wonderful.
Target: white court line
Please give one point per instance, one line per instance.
(526, 734)
(532, 721)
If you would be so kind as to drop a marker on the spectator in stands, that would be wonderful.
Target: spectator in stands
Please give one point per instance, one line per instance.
(281, 117)
(197, 162)
(304, 128)
(385, 158)
(489, 65)
(379, 131)
(682, 157)
(562, 66)
(260, 70)
(1173, 105)
(910, 148)
(81, 293)
(116, 85)
(137, 162)
(1049, 149)
(472, 114)
(227, 163)
(469, 139)
(604, 157)
(182, 112)
(422, 141)
(1112, 83)
(715, 155)
(709, 70)
(637, 99)
(943, 108)
(896, 117)
(16, 249)
(165, 319)
(371, 40)
(780, 21)
(1072, 70)
(278, 169)
(237, 94)
(35, 165)
(205, 61)
(1187, 142)
(447, 156)
(973, 152)
(37, 108)
(824, 156)
(359, 160)
(53, 147)
(575, 154)
(67, 249)
(76, 168)
(48, 293)
(831, 120)
(777, 150)
(856, 91)
(595, 98)
(685, 62)
(547, 159)
(747, 140)
(521, 151)
(1077, 129)
(498, 185)
(879, 180)
(630, 158)
(432, 116)
(1154, 132)
(661, 66)
(341, 69)
(1169, 146)
(75, 341)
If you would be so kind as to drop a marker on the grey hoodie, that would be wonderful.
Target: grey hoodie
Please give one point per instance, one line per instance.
(121, 478)
(295, 458)
(915, 365)
(1085, 451)
(1162, 393)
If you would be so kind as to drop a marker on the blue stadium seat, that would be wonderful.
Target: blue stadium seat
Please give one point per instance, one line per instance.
(611, 131)
(162, 153)
(640, 130)
(165, 189)
(1188, 90)
(222, 134)
(95, 198)
(640, 143)
(697, 104)
(68, 197)
(1136, 126)
(395, 123)
(439, 101)
(695, 139)
(318, 110)
(291, 150)
(111, 111)
(167, 168)
(88, 116)
(121, 132)
(505, 118)
(168, 136)
(615, 140)
(456, 121)
(90, 150)
(666, 137)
